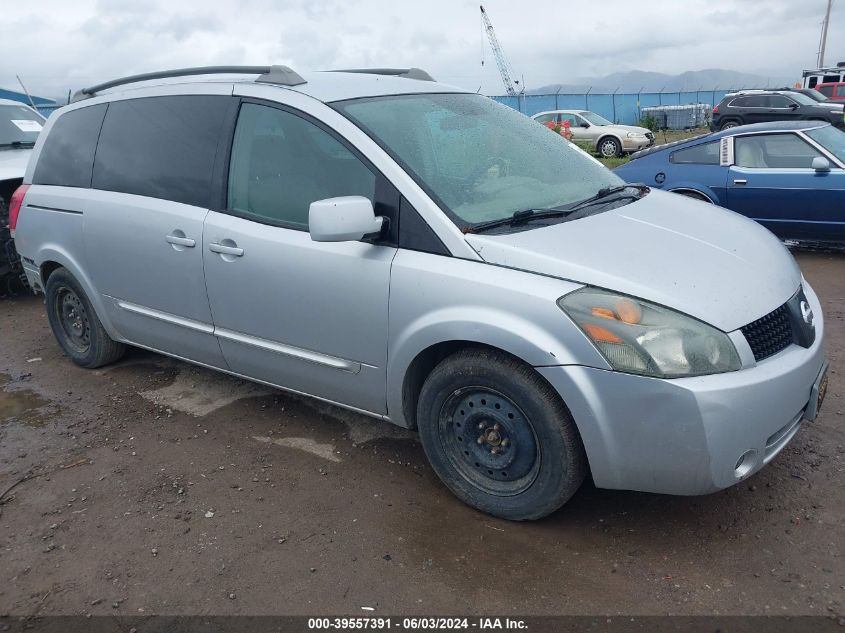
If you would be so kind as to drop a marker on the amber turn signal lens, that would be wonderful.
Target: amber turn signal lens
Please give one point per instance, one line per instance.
(600, 334)
(629, 311)
(605, 313)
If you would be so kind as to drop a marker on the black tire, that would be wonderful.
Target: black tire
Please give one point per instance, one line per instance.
(609, 147)
(729, 124)
(75, 325)
(480, 393)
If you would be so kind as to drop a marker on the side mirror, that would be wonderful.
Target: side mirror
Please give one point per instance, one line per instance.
(344, 219)
(584, 124)
(793, 106)
(820, 163)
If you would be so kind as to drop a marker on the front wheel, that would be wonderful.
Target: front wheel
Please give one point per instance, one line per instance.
(499, 436)
(75, 324)
(609, 147)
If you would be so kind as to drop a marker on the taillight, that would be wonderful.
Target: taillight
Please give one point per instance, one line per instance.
(15, 205)
(716, 109)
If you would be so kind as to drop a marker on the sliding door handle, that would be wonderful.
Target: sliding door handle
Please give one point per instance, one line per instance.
(180, 241)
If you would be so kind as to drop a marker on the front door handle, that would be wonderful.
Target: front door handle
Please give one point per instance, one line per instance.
(740, 181)
(179, 240)
(224, 249)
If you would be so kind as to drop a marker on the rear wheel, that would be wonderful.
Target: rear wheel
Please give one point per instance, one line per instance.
(499, 436)
(75, 324)
(609, 147)
(727, 125)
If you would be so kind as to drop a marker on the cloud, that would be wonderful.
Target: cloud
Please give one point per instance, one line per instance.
(57, 45)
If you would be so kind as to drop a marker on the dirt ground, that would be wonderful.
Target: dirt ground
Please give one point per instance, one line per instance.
(161, 488)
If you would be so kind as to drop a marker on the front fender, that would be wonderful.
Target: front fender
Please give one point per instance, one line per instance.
(436, 300)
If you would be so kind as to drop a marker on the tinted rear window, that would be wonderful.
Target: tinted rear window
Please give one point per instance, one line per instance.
(68, 153)
(749, 102)
(161, 147)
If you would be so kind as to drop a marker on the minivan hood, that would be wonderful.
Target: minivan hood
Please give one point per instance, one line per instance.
(13, 162)
(700, 259)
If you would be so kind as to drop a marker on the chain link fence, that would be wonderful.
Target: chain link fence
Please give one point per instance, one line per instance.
(619, 107)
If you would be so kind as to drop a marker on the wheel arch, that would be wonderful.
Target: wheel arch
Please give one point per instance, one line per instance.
(696, 191)
(51, 258)
(414, 356)
(607, 135)
(421, 367)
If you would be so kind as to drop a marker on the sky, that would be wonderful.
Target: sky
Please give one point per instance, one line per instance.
(61, 45)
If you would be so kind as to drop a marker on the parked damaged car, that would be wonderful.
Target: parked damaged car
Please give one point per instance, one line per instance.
(607, 138)
(788, 176)
(432, 258)
(19, 129)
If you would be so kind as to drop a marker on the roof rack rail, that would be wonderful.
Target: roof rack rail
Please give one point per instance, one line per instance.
(407, 73)
(280, 75)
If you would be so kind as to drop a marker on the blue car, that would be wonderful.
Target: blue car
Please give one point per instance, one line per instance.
(788, 176)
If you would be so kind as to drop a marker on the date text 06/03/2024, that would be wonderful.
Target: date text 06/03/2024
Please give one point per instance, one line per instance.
(416, 623)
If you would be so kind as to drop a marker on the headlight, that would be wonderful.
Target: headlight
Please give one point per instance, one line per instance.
(639, 337)
(635, 135)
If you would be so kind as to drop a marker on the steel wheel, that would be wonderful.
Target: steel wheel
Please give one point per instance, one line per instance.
(489, 440)
(73, 318)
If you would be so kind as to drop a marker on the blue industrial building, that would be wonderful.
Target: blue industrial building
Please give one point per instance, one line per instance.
(43, 105)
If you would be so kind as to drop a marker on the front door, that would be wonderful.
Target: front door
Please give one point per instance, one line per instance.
(304, 315)
(772, 181)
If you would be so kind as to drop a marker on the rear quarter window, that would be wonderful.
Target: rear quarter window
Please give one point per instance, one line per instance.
(68, 153)
(161, 147)
(704, 154)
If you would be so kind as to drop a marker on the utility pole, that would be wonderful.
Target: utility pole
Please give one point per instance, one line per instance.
(820, 60)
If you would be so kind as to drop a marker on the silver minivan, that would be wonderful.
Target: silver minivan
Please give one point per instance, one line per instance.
(426, 256)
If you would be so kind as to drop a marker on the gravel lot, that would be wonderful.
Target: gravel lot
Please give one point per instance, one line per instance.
(161, 488)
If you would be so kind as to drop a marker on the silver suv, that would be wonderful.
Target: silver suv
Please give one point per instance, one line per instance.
(426, 256)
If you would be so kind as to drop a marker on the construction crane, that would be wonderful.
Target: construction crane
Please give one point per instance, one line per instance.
(501, 62)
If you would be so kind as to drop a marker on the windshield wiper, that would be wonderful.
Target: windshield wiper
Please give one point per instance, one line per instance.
(18, 144)
(519, 217)
(606, 192)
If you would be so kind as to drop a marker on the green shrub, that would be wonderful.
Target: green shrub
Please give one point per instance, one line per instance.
(648, 122)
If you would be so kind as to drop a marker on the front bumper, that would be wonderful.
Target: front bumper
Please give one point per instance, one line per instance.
(636, 144)
(686, 436)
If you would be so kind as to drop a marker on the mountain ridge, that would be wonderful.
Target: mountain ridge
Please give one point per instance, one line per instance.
(646, 81)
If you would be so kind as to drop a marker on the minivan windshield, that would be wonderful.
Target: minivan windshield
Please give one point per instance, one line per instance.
(478, 159)
(19, 125)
